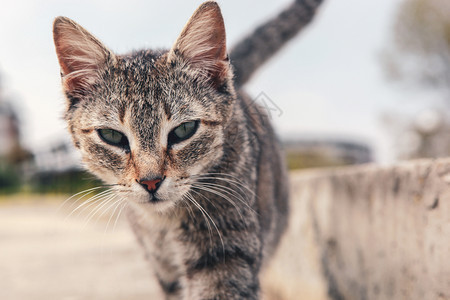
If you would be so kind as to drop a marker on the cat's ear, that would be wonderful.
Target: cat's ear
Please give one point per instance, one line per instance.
(79, 53)
(202, 43)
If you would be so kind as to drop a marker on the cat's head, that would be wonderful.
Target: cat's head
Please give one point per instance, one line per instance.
(151, 121)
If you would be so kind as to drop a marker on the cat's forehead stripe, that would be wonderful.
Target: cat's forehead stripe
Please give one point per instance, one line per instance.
(122, 110)
(167, 110)
(210, 122)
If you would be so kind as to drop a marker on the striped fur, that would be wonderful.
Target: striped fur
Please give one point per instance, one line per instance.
(222, 199)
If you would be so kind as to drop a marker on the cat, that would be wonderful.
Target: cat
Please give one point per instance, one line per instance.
(193, 158)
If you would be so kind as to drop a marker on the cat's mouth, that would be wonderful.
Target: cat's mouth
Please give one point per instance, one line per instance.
(155, 199)
(153, 203)
(150, 199)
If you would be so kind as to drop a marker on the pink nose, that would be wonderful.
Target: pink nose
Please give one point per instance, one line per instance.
(151, 185)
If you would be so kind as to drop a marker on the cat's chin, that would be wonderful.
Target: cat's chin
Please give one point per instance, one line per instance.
(161, 207)
(153, 204)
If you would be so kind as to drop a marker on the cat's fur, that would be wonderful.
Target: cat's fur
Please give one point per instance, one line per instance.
(222, 205)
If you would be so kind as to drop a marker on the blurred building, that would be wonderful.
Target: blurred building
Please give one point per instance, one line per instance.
(317, 152)
(57, 157)
(57, 169)
(12, 153)
(13, 157)
(9, 129)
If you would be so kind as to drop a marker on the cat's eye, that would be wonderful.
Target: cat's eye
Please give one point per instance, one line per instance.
(183, 132)
(114, 138)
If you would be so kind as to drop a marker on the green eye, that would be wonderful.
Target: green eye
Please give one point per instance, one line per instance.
(183, 132)
(113, 137)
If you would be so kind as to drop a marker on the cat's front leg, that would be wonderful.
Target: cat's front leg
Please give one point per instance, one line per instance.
(224, 274)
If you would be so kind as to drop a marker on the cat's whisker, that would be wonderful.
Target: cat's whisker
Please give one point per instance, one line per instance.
(227, 190)
(233, 180)
(233, 183)
(89, 202)
(122, 190)
(98, 208)
(218, 193)
(223, 175)
(95, 200)
(191, 212)
(108, 208)
(93, 204)
(204, 197)
(214, 223)
(117, 204)
(124, 205)
(216, 190)
(200, 208)
(188, 207)
(84, 193)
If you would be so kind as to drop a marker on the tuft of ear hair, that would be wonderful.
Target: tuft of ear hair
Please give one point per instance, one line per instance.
(80, 55)
(202, 44)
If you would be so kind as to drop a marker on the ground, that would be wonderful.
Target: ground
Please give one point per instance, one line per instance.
(44, 254)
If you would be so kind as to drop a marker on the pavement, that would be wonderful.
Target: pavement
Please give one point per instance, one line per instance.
(47, 252)
(44, 254)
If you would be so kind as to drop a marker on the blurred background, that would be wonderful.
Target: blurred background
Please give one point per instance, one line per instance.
(367, 81)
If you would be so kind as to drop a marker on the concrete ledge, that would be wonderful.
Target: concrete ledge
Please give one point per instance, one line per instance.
(375, 232)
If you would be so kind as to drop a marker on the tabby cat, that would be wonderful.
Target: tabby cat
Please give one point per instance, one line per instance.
(193, 158)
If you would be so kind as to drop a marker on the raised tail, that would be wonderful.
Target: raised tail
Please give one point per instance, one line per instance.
(254, 50)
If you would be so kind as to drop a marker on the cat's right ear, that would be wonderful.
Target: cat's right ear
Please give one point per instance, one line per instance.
(80, 54)
(202, 44)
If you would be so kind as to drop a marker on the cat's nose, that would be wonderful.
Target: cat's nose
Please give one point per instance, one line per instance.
(151, 185)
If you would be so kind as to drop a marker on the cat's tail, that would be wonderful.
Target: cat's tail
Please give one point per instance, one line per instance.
(252, 51)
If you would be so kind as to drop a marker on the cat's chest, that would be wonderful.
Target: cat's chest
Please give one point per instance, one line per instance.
(159, 238)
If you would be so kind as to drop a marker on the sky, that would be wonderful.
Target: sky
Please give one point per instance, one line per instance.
(327, 82)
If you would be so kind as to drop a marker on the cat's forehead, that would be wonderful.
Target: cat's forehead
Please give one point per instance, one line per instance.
(143, 58)
(137, 75)
(144, 75)
(146, 85)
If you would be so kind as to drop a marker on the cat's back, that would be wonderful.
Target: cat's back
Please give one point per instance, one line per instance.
(272, 183)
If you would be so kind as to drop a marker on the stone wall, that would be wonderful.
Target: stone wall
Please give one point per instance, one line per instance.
(370, 232)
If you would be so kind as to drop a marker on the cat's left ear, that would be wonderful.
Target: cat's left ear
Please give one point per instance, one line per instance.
(202, 44)
(80, 55)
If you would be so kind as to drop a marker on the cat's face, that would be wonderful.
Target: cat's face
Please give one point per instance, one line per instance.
(150, 122)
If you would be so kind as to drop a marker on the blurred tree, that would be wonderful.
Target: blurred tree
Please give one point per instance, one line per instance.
(420, 48)
(419, 54)
(10, 144)
(426, 135)
(12, 154)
